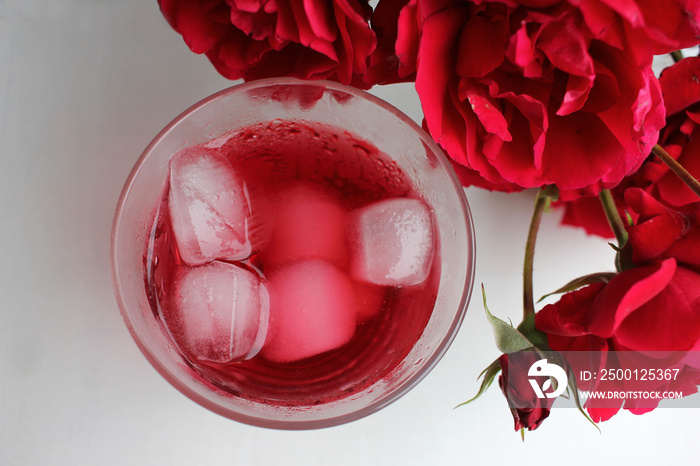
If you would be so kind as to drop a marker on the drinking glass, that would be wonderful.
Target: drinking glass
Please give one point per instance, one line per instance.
(317, 102)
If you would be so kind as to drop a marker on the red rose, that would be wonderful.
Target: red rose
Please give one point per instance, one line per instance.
(529, 93)
(384, 64)
(636, 315)
(653, 306)
(680, 85)
(314, 39)
(680, 138)
(528, 411)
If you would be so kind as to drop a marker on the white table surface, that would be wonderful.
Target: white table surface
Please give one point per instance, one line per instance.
(84, 86)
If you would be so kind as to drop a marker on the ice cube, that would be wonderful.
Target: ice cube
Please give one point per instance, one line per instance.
(209, 208)
(391, 242)
(310, 223)
(312, 310)
(222, 311)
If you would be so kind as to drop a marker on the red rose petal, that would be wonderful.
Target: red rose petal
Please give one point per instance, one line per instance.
(321, 20)
(628, 9)
(522, 52)
(687, 249)
(670, 321)
(440, 33)
(680, 85)
(485, 108)
(602, 21)
(577, 91)
(657, 228)
(567, 317)
(198, 30)
(587, 212)
(482, 46)
(579, 150)
(627, 292)
(407, 39)
(673, 25)
(566, 46)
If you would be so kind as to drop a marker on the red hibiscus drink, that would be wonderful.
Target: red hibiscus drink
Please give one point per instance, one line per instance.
(281, 279)
(279, 264)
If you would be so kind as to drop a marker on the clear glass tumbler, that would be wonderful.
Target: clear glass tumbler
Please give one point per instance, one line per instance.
(315, 103)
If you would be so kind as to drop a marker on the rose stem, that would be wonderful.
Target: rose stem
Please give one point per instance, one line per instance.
(541, 202)
(677, 168)
(613, 216)
(677, 56)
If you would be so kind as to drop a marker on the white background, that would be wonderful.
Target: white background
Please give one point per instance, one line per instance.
(84, 86)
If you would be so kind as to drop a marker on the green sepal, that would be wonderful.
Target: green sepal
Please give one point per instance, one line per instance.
(573, 386)
(508, 338)
(623, 259)
(552, 193)
(536, 337)
(489, 374)
(575, 284)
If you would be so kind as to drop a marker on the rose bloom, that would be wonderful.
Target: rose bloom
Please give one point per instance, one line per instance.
(250, 39)
(649, 314)
(528, 411)
(680, 138)
(526, 93)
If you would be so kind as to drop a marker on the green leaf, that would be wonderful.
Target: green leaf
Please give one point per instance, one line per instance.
(489, 375)
(508, 338)
(575, 284)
